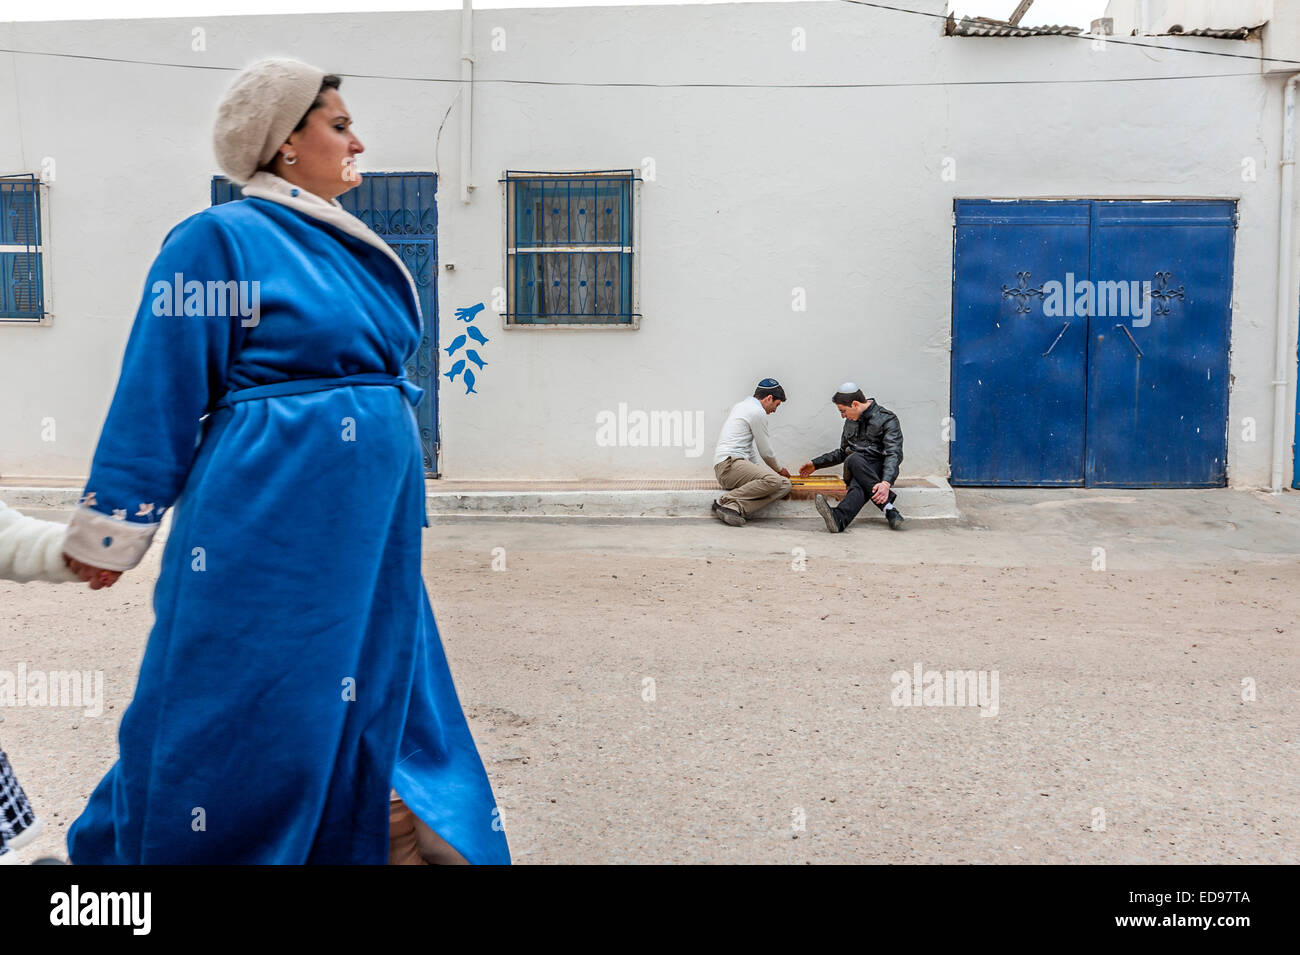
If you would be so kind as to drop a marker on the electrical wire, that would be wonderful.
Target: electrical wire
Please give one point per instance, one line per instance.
(642, 85)
(650, 85)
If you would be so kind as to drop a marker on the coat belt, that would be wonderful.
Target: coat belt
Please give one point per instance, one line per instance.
(298, 386)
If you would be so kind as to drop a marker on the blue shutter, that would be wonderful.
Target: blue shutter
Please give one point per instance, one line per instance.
(21, 272)
(587, 287)
(23, 290)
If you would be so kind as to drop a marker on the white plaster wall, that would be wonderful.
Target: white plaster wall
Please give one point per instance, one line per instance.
(1280, 37)
(756, 192)
(1190, 14)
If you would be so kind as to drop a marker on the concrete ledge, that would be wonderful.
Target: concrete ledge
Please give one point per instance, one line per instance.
(918, 498)
(39, 496)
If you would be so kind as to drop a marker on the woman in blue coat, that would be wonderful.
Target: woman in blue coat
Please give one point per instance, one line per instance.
(294, 678)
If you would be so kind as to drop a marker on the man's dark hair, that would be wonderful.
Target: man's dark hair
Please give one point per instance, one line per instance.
(847, 398)
(328, 82)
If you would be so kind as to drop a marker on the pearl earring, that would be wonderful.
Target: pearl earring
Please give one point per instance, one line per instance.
(290, 160)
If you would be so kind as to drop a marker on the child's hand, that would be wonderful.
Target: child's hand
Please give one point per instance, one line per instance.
(97, 577)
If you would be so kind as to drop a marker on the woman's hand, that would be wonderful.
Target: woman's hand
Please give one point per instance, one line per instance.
(97, 577)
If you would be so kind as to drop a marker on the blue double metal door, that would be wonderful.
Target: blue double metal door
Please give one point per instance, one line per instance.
(1090, 343)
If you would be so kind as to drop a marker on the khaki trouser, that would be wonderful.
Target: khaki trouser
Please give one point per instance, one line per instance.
(750, 487)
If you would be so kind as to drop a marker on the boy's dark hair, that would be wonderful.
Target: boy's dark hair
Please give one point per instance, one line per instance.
(847, 398)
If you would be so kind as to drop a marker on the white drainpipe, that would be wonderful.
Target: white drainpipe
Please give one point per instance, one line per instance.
(466, 93)
(1285, 357)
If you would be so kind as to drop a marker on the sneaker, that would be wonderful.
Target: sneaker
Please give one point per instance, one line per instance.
(895, 519)
(824, 509)
(728, 515)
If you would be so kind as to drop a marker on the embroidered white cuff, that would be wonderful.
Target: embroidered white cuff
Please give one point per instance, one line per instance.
(102, 541)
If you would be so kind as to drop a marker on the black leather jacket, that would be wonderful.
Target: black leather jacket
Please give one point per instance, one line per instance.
(876, 434)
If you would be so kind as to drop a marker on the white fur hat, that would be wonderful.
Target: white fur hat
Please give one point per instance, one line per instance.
(259, 111)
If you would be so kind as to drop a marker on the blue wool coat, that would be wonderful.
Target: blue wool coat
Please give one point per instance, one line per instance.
(294, 672)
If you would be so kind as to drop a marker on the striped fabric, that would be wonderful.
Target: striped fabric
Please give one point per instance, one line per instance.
(16, 815)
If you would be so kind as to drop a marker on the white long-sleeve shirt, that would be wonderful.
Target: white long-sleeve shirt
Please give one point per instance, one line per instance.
(744, 435)
(32, 549)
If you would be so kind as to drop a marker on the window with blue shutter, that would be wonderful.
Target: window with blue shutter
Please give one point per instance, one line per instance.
(570, 248)
(22, 290)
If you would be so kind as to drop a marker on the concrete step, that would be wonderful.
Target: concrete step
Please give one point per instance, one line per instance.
(922, 498)
(925, 498)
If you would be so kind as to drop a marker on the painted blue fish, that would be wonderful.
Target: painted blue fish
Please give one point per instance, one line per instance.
(468, 314)
(472, 355)
(469, 382)
(455, 343)
(475, 334)
(456, 370)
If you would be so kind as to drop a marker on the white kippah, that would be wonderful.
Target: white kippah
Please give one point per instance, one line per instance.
(847, 388)
(259, 111)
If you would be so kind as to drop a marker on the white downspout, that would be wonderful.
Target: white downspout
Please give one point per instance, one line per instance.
(1285, 356)
(466, 93)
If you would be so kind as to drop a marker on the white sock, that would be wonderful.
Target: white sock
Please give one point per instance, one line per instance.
(889, 506)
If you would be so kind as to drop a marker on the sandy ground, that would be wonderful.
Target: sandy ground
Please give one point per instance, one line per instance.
(1121, 734)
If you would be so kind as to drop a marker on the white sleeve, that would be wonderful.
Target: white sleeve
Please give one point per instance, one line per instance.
(31, 549)
(758, 426)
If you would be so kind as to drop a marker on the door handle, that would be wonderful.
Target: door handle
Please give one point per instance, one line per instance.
(1130, 338)
(1055, 340)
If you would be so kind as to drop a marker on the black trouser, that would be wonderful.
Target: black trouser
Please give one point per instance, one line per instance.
(864, 474)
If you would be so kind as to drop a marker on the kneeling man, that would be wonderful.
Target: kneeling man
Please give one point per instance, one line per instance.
(871, 449)
(744, 462)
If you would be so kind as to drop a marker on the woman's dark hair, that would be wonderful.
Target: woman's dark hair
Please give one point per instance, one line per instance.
(328, 82)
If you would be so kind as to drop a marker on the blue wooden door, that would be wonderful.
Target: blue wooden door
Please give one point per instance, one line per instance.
(1090, 343)
(1158, 376)
(401, 207)
(1018, 374)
